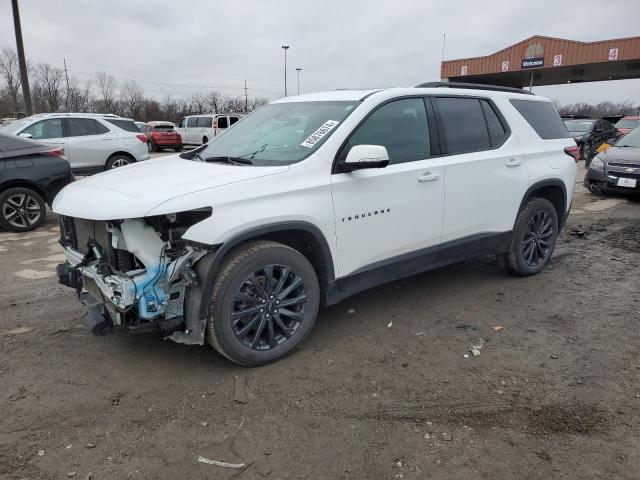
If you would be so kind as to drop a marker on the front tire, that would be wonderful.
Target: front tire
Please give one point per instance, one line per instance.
(263, 303)
(21, 209)
(534, 238)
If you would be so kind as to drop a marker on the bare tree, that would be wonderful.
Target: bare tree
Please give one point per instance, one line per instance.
(80, 99)
(48, 91)
(214, 101)
(10, 73)
(132, 98)
(106, 85)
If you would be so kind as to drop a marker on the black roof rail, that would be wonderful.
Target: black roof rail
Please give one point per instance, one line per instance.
(472, 86)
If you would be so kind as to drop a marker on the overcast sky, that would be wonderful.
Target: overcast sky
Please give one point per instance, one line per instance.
(179, 47)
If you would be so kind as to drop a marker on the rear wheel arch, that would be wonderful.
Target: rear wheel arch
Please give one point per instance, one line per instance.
(553, 190)
(27, 184)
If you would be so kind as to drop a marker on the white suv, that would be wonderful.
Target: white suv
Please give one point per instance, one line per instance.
(312, 199)
(91, 142)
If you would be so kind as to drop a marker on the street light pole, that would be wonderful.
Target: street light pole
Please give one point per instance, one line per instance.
(24, 78)
(298, 69)
(285, 48)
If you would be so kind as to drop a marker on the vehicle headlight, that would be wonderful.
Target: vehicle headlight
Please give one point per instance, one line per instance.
(597, 164)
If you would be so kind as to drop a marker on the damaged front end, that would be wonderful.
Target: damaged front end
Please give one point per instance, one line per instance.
(134, 272)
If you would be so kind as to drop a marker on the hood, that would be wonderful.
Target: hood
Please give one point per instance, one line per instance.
(615, 154)
(134, 190)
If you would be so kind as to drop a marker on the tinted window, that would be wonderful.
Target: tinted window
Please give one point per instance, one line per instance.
(45, 129)
(463, 124)
(222, 122)
(204, 122)
(497, 131)
(400, 126)
(81, 127)
(542, 117)
(191, 122)
(182, 123)
(233, 120)
(126, 125)
(163, 128)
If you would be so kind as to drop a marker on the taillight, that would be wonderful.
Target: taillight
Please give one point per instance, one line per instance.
(56, 152)
(142, 137)
(573, 152)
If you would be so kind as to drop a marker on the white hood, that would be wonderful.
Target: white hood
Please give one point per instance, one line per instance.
(134, 190)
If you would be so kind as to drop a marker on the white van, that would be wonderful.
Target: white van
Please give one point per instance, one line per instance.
(199, 129)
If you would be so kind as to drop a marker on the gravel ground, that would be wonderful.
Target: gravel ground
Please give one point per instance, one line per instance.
(381, 389)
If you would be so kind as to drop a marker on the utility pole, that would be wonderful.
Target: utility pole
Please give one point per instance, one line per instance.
(246, 98)
(299, 69)
(285, 48)
(67, 79)
(24, 78)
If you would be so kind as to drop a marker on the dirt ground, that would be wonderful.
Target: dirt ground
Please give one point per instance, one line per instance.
(381, 389)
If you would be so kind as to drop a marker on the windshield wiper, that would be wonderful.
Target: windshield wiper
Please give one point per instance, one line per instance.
(626, 146)
(229, 160)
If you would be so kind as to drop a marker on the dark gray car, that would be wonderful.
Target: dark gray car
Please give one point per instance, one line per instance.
(617, 169)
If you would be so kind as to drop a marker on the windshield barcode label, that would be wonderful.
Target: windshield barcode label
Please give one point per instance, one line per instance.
(316, 136)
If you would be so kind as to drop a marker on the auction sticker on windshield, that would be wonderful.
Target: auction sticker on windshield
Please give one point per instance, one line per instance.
(316, 136)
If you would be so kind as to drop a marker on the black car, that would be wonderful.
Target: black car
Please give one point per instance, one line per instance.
(589, 134)
(31, 174)
(617, 169)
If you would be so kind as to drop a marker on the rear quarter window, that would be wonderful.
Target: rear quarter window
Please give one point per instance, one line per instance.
(542, 117)
(127, 125)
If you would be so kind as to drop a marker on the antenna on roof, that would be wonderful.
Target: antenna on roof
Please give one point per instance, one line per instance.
(444, 42)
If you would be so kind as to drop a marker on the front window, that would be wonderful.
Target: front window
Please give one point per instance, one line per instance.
(281, 133)
(579, 126)
(627, 123)
(631, 139)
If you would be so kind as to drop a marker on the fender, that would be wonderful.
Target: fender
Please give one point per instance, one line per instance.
(196, 303)
(550, 182)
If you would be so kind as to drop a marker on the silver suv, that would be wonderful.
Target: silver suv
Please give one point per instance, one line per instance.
(91, 142)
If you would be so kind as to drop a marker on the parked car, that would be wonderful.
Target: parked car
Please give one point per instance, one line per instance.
(617, 169)
(31, 175)
(628, 123)
(161, 135)
(91, 142)
(312, 199)
(199, 129)
(589, 134)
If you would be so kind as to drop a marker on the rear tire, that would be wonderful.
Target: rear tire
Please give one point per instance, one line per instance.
(263, 303)
(117, 160)
(21, 209)
(178, 148)
(534, 238)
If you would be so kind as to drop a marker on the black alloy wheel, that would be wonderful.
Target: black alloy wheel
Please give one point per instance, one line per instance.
(537, 239)
(269, 307)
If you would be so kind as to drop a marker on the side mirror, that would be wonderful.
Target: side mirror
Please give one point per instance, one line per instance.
(26, 135)
(365, 156)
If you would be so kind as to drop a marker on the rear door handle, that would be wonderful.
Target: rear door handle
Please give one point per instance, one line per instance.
(429, 177)
(514, 162)
(107, 138)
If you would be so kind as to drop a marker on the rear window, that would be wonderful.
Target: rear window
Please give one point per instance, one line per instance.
(11, 142)
(463, 125)
(542, 117)
(627, 123)
(163, 128)
(127, 125)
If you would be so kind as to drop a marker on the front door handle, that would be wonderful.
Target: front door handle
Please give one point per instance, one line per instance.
(429, 177)
(514, 162)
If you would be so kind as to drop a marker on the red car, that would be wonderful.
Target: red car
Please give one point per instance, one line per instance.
(627, 123)
(161, 135)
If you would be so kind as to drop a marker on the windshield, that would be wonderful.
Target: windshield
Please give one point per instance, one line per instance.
(627, 123)
(281, 133)
(579, 125)
(631, 139)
